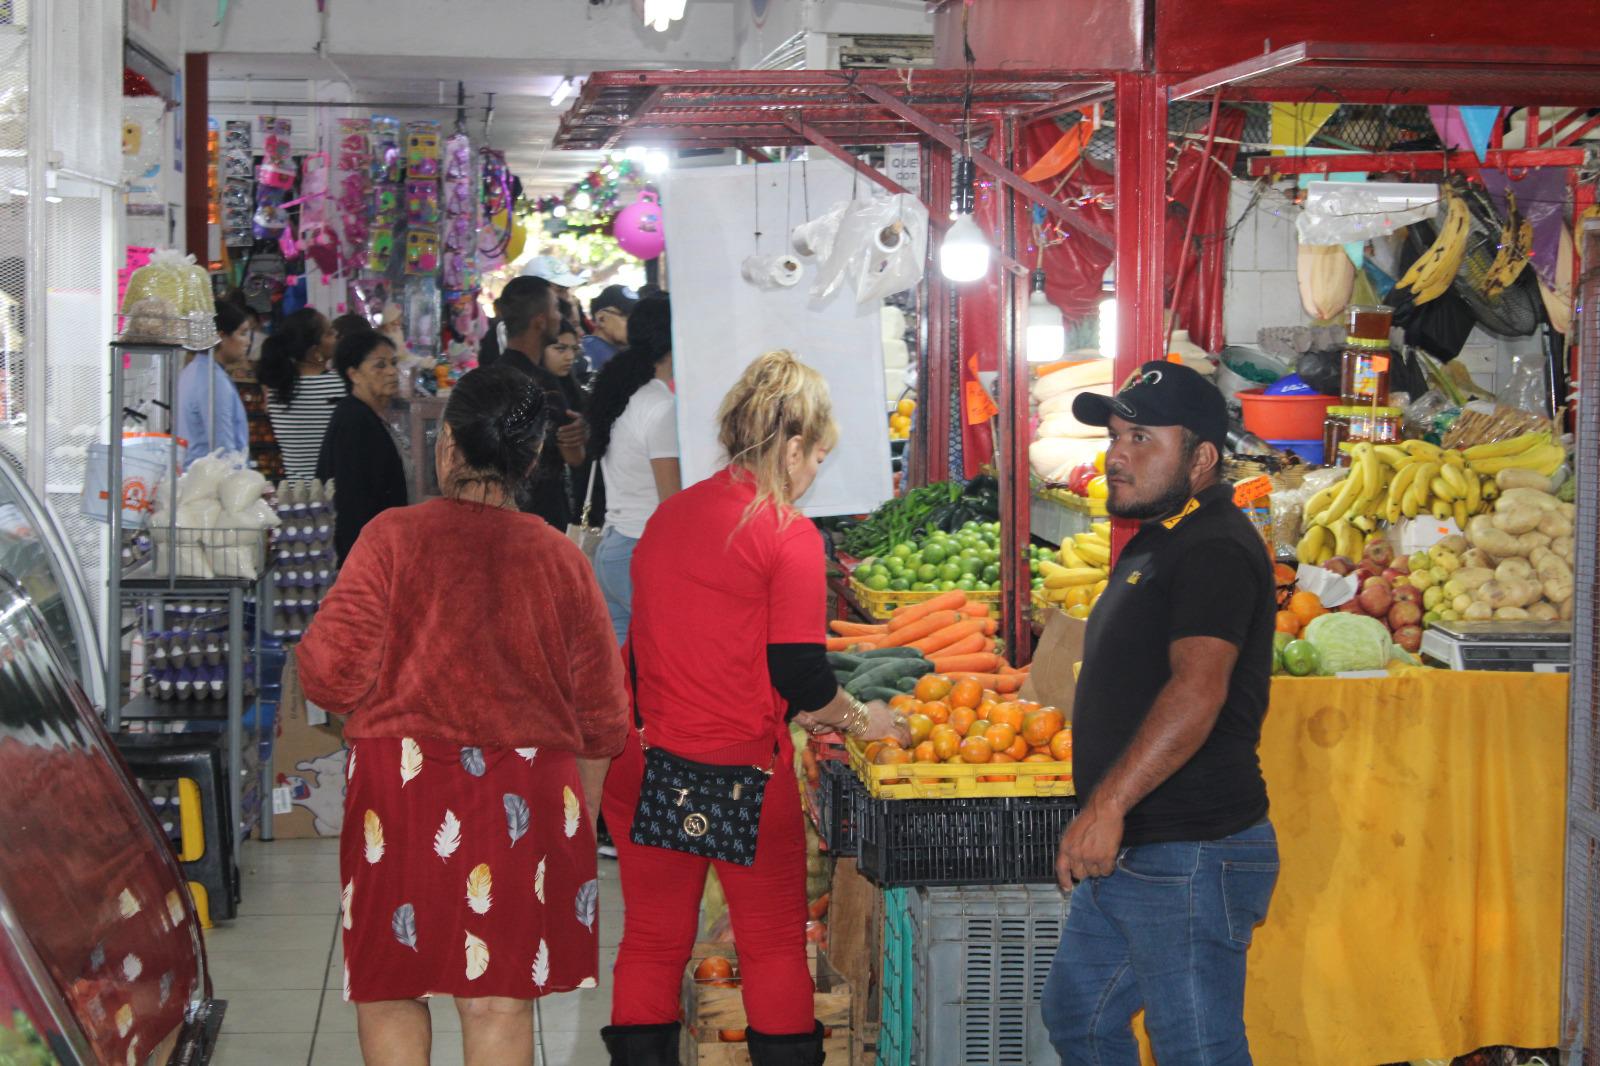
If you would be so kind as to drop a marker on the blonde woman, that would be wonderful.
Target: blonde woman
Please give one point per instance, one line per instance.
(731, 556)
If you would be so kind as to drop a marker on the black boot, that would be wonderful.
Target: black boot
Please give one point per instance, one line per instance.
(804, 1049)
(642, 1045)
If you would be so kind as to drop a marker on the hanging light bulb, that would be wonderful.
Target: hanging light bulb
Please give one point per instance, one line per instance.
(656, 162)
(964, 254)
(582, 201)
(1047, 332)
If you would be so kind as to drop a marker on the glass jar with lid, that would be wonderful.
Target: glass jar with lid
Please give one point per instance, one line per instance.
(1376, 425)
(1335, 431)
(1364, 370)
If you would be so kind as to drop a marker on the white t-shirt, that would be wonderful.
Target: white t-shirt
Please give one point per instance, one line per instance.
(646, 430)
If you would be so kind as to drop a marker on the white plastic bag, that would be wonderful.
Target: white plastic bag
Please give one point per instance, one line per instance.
(239, 489)
(881, 243)
(1342, 212)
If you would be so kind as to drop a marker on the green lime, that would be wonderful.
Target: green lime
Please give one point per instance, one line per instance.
(895, 564)
(933, 553)
(903, 549)
(950, 571)
(991, 574)
(967, 583)
(899, 584)
(973, 566)
(927, 572)
(878, 582)
(946, 586)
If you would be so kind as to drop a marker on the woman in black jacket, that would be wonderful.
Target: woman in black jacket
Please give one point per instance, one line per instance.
(359, 451)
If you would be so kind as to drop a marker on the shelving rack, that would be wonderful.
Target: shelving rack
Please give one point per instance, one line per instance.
(123, 586)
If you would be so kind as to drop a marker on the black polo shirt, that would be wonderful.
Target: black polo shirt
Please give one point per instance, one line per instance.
(1201, 573)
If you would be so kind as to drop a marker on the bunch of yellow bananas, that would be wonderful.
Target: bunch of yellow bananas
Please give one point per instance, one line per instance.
(1079, 579)
(1436, 268)
(1531, 451)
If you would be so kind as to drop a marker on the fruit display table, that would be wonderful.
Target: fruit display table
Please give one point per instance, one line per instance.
(1418, 913)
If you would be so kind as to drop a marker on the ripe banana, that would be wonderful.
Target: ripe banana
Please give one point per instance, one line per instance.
(1510, 446)
(1454, 476)
(1545, 458)
(1070, 558)
(1393, 455)
(1440, 489)
(1434, 270)
(1474, 500)
(1311, 544)
(1516, 246)
(1422, 486)
(1442, 510)
(1491, 490)
(1459, 509)
(1422, 449)
(1094, 554)
(1319, 502)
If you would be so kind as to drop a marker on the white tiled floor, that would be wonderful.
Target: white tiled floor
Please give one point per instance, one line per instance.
(279, 966)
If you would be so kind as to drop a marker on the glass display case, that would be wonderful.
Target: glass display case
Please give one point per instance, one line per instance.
(101, 956)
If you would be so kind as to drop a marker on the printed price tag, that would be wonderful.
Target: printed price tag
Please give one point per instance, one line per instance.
(282, 801)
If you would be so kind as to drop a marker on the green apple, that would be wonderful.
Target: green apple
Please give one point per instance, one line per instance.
(1419, 561)
(1432, 597)
(1422, 579)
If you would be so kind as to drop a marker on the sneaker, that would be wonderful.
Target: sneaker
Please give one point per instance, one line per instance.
(607, 850)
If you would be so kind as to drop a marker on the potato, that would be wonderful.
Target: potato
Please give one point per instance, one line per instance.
(1511, 614)
(1478, 524)
(1569, 511)
(1538, 555)
(1477, 559)
(1562, 546)
(1496, 542)
(1519, 478)
(1555, 578)
(1478, 612)
(1455, 542)
(1556, 525)
(1468, 578)
(1499, 594)
(1543, 612)
(1529, 542)
(1517, 520)
(1512, 499)
(1514, 570)
(1566, 609)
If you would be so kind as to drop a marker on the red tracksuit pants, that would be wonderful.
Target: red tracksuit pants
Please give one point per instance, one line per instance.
(661, 892)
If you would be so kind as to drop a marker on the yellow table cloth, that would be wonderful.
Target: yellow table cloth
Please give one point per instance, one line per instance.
(1420, 822)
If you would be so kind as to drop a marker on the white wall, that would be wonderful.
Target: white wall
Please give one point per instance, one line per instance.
(571, 32)
(756, 37)
(1263, 290)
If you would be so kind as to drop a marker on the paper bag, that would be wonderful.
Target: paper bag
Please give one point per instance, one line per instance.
(1052, 681)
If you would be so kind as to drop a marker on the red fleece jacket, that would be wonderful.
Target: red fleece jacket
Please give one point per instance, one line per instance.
(472, 625)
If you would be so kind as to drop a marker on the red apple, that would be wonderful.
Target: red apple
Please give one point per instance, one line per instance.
(1376, 597)
(1404, 614)
(1407, 593)
(1402, 563)
(1409, 638)
(1369, 566)
(1339, 564)
(1380, 551)
(1351, 607)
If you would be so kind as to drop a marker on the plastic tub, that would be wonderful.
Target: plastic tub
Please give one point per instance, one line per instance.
(1297, 417)
(1309, 451)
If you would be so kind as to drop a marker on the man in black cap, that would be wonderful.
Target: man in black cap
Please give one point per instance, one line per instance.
(610, 311)
(1172, 852)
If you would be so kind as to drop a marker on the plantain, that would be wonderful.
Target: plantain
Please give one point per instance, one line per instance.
(1433, 271)
(1510, 446)
(1512, 254)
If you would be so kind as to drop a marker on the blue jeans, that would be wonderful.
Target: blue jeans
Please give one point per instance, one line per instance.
(612, 560)
(1167, 931)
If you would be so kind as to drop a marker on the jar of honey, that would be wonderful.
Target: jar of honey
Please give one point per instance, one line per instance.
(1335, 431)
(1364, 373)
(1375, 425)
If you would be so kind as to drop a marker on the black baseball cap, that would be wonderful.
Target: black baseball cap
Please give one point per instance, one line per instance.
(615, 297)
(1162, 394)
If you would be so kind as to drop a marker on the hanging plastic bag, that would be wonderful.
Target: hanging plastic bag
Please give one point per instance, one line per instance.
(813, 239)
(1340, 212)
(893, 254)
(1527, 388)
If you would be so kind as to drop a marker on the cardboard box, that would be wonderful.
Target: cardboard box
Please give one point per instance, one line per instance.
(308, 766)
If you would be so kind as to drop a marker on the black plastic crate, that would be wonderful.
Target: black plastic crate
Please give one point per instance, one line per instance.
(961, 842)
(839, 801)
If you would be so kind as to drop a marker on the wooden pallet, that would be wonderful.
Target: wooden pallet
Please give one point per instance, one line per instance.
(709, 1010)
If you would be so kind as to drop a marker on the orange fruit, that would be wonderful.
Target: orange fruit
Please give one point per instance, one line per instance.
(713, 968)
(871, 752)
(1007, 714)
(1284, 575)
(991, 696)
(1001, 756)
(1306, 606)
(936, 712)
(946, 742)
(976, 750)
(986, 708)
(980, 728)
(731, 1036)
(892, 756)
(1289, 622)
(925, 752)
(920, 726)
(1037, 756)
(999, 734)
(1061, 746)
(961, 719)
(966, 693)
(1019, 749)
(1039, 726)
(956, 760)
(932, 687)
(904, 702)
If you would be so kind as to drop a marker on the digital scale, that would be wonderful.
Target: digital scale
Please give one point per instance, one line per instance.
(1537, 647)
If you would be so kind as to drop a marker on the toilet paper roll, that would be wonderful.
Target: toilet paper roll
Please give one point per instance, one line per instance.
(772, 271)
(889, 238)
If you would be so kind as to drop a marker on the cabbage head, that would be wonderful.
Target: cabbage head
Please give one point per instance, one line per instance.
(1349, 642)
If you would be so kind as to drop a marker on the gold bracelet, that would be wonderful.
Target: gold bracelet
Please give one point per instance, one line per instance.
(856, 721)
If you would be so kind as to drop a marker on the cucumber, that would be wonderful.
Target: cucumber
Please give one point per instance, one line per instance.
(889, 653)
(906, 684)
(878, 692)
(843, 661)
(886, 673)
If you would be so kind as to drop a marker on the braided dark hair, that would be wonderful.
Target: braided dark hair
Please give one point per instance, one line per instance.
(285, 350)
(498, 418)
(649, 342)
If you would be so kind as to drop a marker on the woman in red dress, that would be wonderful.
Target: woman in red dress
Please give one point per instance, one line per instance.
(732, 556)
(477, 753)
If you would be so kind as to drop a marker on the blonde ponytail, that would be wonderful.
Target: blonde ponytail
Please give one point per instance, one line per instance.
(776, 398)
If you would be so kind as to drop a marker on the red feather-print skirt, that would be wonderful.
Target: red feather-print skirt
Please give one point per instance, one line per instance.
(466, 872)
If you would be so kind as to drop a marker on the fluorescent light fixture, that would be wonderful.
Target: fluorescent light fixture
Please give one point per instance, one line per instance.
(964, 255)
(564, 90)
(659, 15)
(1047, 332)
(1108, 328)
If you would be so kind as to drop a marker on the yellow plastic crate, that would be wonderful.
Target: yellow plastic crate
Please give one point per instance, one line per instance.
(960, 781)
(882, 604)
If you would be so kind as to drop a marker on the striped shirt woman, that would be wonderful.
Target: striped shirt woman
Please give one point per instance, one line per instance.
(301, 392)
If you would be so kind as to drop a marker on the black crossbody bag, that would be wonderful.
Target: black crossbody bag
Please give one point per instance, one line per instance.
(694, 807)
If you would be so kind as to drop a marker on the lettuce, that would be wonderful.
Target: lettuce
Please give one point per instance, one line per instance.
(1349, 642)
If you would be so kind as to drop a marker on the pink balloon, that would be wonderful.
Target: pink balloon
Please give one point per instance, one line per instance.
(638, 227)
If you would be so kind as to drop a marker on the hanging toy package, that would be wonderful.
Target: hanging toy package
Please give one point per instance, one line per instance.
(238, 171)
(274, 178)
(422, 251)
(355, 183)
(318, 241)
(494, 238)
(422, 314)
(168, 301)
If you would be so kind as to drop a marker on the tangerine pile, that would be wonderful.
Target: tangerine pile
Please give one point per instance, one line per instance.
(1303, 607)
(958, 721)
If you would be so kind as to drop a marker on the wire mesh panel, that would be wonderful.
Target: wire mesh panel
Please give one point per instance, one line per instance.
(1581, 947)
(13, 222)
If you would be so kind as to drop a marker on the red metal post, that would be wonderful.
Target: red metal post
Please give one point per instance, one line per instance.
(934, 382)
(196, 188)
(1141, 190)
(1012, 447)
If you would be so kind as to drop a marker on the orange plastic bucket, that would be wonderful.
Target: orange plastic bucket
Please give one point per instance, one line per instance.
(1294, 417)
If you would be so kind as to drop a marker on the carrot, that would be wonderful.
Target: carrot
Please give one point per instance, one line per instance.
(979, 663)
(972, 642)
(949, 635)
(1003, 683)
(926, 626)
(976, 610)
(843, 643)
(990, 627)
(953, 600)
(856, 629)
